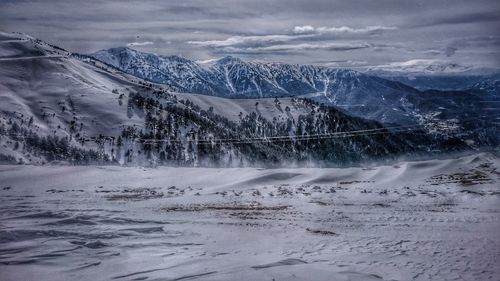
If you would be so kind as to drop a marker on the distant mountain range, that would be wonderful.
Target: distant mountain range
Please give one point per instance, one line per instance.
(123, 106)
(231, 77)
(388, 100)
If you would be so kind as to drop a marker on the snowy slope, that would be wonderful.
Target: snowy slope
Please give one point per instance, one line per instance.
(40, 81)
(44, 84)
(356, 93)
(59, 106)
(431, 220)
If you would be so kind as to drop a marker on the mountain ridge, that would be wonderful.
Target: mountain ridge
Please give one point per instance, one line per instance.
(356, 93)
(68, 108)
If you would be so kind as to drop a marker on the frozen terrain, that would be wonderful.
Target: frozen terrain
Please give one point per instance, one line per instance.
(68, 108)
(431, 220)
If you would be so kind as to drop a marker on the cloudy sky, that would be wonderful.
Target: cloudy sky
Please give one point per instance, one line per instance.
(346, 33)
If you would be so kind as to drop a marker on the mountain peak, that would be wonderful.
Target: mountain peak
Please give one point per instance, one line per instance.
(116, 50)
(229, 60)
(177, 58)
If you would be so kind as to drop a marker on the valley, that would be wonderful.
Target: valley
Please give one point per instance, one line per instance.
(100, 115)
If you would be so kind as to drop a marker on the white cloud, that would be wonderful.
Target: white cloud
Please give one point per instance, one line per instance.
(303, 33)
(423, 66)
(319, 46)
(207, 61)
(308, 29)
(138, 44)
(245, 40)
(298, 47)
(304, 29)
(345, 63)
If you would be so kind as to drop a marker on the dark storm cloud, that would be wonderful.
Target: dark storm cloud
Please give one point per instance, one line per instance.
(337, 32)
(472, 18)
(450, 51)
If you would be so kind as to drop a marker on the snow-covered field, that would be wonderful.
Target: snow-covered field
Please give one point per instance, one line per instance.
(431, 220)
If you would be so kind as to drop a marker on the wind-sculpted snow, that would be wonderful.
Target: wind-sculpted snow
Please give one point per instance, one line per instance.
(107, 208)
(430, 220)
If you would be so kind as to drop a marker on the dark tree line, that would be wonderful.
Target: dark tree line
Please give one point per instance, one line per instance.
(182, 133)
(179, 132)
(52, 147)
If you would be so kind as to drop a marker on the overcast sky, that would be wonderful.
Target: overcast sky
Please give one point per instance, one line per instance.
(347, 33)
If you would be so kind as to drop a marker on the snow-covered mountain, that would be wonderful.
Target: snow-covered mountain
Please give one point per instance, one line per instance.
(358, 94)
(59, 106)
(429, 74)
(488, 88)
(483, 85)
(233, 77)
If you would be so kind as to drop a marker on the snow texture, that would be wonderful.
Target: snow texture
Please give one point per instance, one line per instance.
(430, 220)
